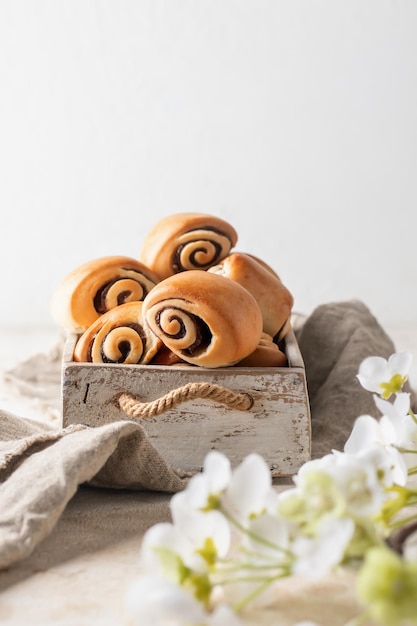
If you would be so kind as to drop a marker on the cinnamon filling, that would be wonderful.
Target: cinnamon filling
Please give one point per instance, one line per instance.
(203, 339)
(101, 295)
(176, 259)
(202, 331)
(124, 346)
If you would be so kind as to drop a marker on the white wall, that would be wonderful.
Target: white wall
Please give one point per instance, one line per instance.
(294, 120)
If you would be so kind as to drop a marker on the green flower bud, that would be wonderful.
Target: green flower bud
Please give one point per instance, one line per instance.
(387, 585)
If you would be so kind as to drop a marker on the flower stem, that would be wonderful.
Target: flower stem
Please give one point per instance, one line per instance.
(403, 522)
(248, 579)
(405, 450)
(241, 604)
(252, 535)
(413, 416)
(239, 566)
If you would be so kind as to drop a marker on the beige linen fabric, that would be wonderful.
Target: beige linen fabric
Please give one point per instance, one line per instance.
(42, 467)
(333, 341)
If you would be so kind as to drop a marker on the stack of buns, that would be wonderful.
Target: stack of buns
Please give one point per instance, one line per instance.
(188, 299)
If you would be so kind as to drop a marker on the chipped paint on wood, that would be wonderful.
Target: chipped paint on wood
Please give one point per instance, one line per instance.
(278, 425)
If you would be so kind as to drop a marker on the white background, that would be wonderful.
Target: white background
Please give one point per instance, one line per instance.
(293, 120)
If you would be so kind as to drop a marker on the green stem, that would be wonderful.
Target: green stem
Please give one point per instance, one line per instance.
(265, 557)
(241, 604)
(405, 450)
(413, 416)
(403, 522)
(247, 566)
(409, 495)
(252, 535)
(248, 579)
(411, 498)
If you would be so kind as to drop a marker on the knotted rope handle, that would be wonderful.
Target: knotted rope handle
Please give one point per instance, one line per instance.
(133, 408)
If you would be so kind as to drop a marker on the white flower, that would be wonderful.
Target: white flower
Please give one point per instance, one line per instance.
(407, 441)
(378, 441)
(250, 491)
(161, 540)
(315, 498)
(324, 521)
(195, 541)
(317, 556)
(155, 601)
(388, 462)
(268, 539)
(204, 490)
(404, 425)
(397, 410)
(342, 483)
(367, 431)
(384, 376)
(208, 536)
(358, 481)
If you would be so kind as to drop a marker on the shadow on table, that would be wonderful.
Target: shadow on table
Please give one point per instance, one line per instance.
(93, 520)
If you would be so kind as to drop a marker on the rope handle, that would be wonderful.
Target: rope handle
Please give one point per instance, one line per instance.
(133, 408)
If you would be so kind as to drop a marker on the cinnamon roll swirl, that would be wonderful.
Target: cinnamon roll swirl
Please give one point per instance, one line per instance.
(187, 241)
(272, 296)
(118, 336)
(98, 286)
(204, 318)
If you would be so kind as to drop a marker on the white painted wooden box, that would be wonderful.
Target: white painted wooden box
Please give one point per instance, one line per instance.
(277, 426)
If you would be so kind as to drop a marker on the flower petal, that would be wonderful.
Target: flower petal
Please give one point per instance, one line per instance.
(273, 532)
(372, 371)
(217, 469)
(397, 409)
(153, 600)
(365, 431)
(400, 363)
(316, 556)
(249, 490)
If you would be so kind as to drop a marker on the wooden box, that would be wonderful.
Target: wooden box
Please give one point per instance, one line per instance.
(277, 426)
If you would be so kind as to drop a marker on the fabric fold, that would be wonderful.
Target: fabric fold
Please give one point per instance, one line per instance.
(41, 472)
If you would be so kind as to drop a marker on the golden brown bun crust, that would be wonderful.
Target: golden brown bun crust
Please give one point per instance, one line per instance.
(118, 336)
(263, 263)
(206, 319)
(165, 356)
(284, 330)
(266, 354)
(96, 286)
(187, 241)
(273, 298)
